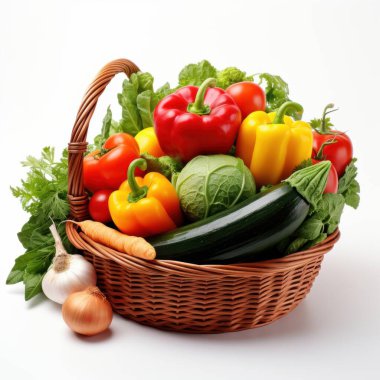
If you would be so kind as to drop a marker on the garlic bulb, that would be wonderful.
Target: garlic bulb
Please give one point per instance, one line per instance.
(67, 274)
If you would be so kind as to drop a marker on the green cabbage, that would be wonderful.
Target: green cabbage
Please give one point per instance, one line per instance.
(210, 184)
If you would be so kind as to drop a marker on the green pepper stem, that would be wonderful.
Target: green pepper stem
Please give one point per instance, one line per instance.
(319, 156)
(324, 126)
(137, 192)
(279, 118)
(199, 107)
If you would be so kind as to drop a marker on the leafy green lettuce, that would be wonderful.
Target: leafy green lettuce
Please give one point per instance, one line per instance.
(196, 73)
(163, 91)
(348, 185)
(276, 91)
(137, 101)
(109, 127)
(325, 217)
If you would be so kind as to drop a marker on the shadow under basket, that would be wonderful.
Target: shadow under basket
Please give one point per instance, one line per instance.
(178, 296)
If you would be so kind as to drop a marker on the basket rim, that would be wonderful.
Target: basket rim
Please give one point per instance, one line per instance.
(170, 267)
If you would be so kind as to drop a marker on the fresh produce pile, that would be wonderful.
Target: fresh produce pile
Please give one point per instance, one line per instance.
(219, 169)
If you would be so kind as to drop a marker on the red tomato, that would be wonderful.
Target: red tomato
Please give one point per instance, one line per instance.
(248, 96)
(120, 138)
(332, 179)
(109, 170)
(92, 180)
(339, 153)
(98, 206)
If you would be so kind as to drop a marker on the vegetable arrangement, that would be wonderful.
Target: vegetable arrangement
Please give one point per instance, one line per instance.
(219, 169)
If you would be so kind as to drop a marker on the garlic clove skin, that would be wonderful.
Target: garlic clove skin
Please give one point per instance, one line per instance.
(68, 274)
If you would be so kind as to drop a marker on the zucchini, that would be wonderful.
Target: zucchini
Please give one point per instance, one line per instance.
(241, 233)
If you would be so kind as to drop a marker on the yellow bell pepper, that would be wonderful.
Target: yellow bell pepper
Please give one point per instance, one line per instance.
(272, 145)
(148, 142)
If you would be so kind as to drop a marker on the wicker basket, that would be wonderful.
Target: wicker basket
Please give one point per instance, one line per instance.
(178, 296)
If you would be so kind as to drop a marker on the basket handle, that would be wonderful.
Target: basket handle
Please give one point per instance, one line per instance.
(77, 196)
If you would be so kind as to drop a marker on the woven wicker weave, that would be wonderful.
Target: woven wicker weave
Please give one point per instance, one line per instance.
(178, 296)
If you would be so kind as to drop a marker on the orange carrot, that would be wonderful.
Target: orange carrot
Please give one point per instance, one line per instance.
(131, 245)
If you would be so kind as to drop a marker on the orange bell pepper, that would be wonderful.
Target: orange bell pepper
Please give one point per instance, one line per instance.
(145, 206)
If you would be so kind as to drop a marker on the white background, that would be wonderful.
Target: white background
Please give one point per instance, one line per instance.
(326, 51)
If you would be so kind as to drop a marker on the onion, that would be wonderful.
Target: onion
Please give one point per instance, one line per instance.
(87, 312)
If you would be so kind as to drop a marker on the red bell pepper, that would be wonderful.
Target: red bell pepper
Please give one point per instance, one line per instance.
(106, 169)
(194, 121)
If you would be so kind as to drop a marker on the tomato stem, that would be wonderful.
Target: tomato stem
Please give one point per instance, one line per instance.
(319, 156)
(324, 126)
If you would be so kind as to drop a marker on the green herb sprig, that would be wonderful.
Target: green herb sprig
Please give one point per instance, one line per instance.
(43, 194)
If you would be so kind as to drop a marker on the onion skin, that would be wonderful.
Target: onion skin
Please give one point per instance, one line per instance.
(87, 312)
